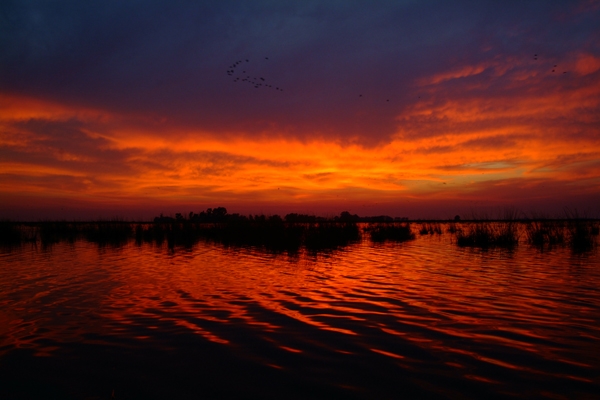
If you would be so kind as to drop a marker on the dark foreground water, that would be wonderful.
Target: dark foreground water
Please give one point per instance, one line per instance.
(418, 319)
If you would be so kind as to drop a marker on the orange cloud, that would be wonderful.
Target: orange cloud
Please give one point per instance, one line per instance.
(540, 130)
(587, 64)
(461, 72)
(22, 108)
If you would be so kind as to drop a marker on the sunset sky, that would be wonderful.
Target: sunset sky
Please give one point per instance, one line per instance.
(423, 109)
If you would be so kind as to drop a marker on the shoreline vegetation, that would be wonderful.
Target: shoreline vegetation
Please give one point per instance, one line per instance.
(295, 231)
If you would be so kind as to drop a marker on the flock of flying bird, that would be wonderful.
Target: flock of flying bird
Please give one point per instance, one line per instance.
(535, 57)
(260, 82)
(256, 81)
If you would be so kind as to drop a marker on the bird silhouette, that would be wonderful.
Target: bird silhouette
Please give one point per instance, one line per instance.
(245, 76)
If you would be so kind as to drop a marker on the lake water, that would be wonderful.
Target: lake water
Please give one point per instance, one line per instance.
(393, 320)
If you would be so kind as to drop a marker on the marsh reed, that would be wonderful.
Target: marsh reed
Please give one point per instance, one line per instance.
(396, 232)
(276, 234)
(487, 234)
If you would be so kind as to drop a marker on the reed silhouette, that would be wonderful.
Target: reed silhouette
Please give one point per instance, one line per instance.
(396, 232)
(574, 231)
(453, 227)
(300, 231)
(115, 232)
(10, 233)
(430, 229)
(545, 232)
(328, 235)
(581, 231)
(51, 232)
(271, 233)
(487, 234)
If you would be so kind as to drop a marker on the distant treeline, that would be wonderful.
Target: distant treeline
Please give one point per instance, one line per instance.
(219, 214)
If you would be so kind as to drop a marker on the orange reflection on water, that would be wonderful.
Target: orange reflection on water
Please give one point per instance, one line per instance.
(387, 353)
(202, 332)
(465, 313)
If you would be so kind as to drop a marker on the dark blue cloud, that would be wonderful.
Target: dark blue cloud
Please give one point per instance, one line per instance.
(346, 68)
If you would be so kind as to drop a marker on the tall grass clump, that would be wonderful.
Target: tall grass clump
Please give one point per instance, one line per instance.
(271, 234)
(430, 229)
(114, 232)
(391, 232)
(152, 233)
(542, 232)
(51, 232)
(275, 235)
(581, 232)
(486, 234)
(453, 228)
(330, 235)
(175, 233)
(580, 236)
(10, 233)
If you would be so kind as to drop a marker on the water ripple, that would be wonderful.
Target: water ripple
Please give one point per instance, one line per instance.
(520, 323)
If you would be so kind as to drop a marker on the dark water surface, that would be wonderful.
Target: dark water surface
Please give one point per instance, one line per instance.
(415, 319)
